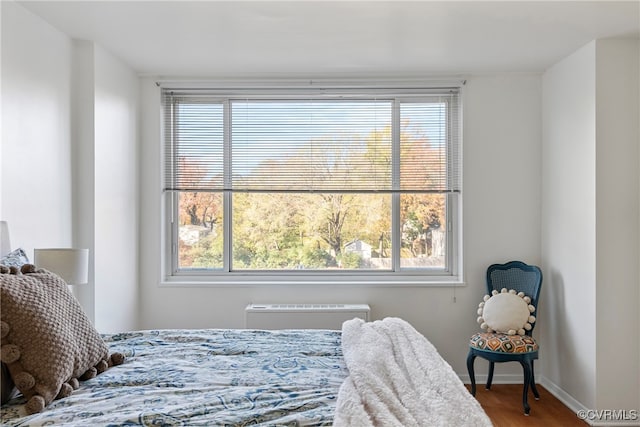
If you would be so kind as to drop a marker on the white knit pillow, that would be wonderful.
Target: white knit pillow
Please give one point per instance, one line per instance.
(506, 312)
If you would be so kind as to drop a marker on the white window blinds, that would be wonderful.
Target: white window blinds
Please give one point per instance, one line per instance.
(362, 142)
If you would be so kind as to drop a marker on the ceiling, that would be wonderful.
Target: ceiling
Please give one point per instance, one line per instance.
(340, 38)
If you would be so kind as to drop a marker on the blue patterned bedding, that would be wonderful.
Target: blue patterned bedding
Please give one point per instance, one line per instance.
(205, 378)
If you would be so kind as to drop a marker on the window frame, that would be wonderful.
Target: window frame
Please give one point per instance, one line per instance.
(451, 275)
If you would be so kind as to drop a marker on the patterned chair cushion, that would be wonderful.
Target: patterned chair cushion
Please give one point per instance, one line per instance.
(503, 343)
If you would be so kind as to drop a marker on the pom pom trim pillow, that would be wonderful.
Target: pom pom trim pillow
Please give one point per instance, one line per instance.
(506, 312)
(47, 341)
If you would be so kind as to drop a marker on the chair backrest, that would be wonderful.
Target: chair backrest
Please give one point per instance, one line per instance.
(519, 276)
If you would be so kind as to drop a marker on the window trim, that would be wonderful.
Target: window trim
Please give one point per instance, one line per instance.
(451, 276)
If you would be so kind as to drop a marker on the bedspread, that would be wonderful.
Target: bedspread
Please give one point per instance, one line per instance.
(205, 377)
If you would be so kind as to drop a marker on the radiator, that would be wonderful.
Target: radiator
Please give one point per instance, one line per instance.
(302, 316)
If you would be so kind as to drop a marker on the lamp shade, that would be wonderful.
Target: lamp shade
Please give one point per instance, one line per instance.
(70, 264)
(5, 242)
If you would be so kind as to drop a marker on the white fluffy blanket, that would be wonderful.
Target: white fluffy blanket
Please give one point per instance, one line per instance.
(397, 378)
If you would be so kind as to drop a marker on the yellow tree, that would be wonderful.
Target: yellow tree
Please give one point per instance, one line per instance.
(421, 168)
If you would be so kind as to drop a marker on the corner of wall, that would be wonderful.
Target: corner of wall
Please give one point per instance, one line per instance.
(568, 221)
(617, 228)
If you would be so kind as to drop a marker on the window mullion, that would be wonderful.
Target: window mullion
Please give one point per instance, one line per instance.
(396, 233)
(227, 198)
(170, 127)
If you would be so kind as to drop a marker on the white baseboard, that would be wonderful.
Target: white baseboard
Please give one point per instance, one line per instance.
(561, 395)
(481, 380)
(578, 408)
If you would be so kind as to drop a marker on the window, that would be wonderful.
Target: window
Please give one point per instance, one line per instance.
(309, 183)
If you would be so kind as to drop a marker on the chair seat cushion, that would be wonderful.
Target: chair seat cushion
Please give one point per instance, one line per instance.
(503, 343)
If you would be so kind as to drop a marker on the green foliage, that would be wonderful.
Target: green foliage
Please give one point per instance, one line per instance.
(207, 253)
(350, 260)
(315, 258)
(243, 255)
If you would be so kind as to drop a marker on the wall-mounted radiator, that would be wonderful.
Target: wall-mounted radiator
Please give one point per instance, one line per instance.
(302, 316)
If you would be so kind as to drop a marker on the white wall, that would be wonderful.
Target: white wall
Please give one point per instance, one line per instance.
(568, 225)
(590, 230)
(69, 164)
(83, 152)
(501, 210)
(116, 193)
(35, 196)
(105, 106)
(617, 232)
(502, 133)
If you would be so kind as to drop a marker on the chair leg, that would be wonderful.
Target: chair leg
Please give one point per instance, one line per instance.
(526, 367)
(533, 383)
(470, 359)
(490, 376)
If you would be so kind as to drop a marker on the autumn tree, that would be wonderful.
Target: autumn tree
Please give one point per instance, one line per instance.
(288, 228)
(202, 208)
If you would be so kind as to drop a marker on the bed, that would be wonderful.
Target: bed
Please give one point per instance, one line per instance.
(253, 377)
(203, 378)
(381, 373)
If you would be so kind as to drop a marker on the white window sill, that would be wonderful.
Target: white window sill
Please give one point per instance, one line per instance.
(183, 281)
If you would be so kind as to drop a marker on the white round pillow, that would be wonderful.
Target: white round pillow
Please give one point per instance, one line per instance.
(506, 312)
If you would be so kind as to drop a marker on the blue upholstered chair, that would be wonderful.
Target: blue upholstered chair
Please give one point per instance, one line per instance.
(498, 347)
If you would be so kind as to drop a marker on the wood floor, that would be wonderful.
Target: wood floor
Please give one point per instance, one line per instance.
(503, 404)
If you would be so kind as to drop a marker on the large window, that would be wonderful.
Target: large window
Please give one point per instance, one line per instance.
(314, 183)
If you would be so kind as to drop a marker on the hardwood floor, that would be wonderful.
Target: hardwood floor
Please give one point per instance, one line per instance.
(503, 404)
